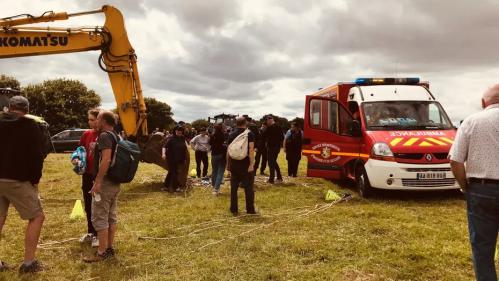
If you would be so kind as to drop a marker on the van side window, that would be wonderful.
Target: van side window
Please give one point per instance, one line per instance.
(323, 115)
(345, 121)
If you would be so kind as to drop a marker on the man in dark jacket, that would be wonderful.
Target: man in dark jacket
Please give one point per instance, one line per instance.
(21, 163)
(175, 154)
(273, 138)
(292, 148)
(260, 150)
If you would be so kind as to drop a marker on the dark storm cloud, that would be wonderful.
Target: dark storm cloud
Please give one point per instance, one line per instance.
(230, 55)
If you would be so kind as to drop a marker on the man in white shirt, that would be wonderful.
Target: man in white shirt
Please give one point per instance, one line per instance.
(477, 145)
(201, 146)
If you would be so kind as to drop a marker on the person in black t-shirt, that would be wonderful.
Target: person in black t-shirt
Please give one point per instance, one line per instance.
(273, 138)
(242, 170)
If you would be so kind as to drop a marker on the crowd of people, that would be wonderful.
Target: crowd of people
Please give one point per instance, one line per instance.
(268, 140)
(242, 151)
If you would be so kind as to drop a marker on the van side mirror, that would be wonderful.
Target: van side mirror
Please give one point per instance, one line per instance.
(355, 129)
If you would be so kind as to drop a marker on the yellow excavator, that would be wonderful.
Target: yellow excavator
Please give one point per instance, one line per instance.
(18, 37)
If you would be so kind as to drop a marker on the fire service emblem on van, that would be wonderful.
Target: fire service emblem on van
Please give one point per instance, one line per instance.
(326, 155)
(326, 152)
(428, 157)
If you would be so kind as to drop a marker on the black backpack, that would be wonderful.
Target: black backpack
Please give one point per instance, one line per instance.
(125, 160)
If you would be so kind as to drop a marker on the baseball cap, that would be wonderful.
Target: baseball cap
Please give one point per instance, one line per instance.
(19, 102)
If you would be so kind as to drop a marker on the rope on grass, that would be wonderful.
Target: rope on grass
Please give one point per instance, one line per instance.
(315, 210)
(52, 243)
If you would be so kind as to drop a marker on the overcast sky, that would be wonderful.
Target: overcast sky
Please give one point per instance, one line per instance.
(263, 56)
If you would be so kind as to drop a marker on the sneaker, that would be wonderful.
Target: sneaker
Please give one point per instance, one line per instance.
(87, 238)
(97, 257)
(270, 181)
(214, 192)
(279, 181)
(3, 266)
(110, 252)
(95, 242)
(35, 266)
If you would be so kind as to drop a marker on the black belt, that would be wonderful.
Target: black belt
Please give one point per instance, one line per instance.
(483, 181)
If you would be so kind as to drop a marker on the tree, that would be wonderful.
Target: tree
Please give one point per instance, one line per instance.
(159, 115)
(63, 103)
(200, 123)
(281, 121)
(299, 121)
(9, 82)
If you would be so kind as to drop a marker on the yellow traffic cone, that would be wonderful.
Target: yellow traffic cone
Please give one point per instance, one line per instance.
(77, 212)
(193, 173)
(332, 196)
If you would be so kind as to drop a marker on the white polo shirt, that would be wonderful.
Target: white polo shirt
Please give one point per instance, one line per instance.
(477, 144)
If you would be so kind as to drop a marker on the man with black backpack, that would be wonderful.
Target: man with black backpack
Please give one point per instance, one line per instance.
(241, 158)
(104, 191)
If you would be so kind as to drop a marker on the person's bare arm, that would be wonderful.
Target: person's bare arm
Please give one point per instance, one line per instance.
(103, 167)
(459, 172)
(251, 156)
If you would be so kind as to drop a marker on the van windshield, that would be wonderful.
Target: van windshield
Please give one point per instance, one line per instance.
(405, 115)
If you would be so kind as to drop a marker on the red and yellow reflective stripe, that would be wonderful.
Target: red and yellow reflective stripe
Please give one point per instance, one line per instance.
(305, 151)
(411, 141)
(447, 140)
(395, 141)
(350, 154)
(429, 141)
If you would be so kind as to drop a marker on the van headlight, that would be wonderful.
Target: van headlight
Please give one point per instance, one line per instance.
(381, 149)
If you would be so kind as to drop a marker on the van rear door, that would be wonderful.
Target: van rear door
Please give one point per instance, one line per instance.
(329, 143)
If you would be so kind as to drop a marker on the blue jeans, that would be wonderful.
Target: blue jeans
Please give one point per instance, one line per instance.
(217, 170)
(483, 225)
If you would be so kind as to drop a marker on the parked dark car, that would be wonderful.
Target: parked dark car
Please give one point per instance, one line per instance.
(67, 140)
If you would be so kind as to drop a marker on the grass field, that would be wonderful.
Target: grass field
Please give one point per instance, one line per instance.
(396, 236)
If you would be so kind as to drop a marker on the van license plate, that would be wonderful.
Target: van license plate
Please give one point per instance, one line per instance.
(430, 176)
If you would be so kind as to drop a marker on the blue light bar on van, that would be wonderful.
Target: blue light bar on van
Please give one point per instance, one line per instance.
(387, 81)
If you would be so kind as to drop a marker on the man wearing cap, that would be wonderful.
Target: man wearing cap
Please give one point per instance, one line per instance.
(273, 138)
(21, 163)
(477, 145)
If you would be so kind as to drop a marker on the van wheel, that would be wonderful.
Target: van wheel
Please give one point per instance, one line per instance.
(363, 185)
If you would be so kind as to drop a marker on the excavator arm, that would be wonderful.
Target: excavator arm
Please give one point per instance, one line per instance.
(117, 57)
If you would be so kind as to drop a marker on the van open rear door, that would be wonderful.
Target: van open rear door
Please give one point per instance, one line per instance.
(329, 141)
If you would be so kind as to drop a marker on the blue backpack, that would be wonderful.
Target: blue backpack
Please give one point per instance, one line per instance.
(126, 157)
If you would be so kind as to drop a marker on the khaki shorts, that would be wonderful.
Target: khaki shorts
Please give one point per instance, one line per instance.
(104, 211)
(24, 197)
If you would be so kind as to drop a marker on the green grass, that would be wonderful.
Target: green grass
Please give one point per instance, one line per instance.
(397, 236)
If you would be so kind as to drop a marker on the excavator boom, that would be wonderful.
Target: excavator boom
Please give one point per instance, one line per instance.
(117, 58)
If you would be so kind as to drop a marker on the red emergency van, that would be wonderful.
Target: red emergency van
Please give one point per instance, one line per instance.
(383, 133)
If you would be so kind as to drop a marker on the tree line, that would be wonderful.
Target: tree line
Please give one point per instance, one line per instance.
(64, 103)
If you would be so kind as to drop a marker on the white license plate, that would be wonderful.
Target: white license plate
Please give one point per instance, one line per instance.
(430, 176)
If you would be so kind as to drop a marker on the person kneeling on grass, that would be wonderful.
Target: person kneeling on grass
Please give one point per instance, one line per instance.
(104, 191)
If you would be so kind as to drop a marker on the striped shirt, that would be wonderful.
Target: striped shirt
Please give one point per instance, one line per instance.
(477, 144)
